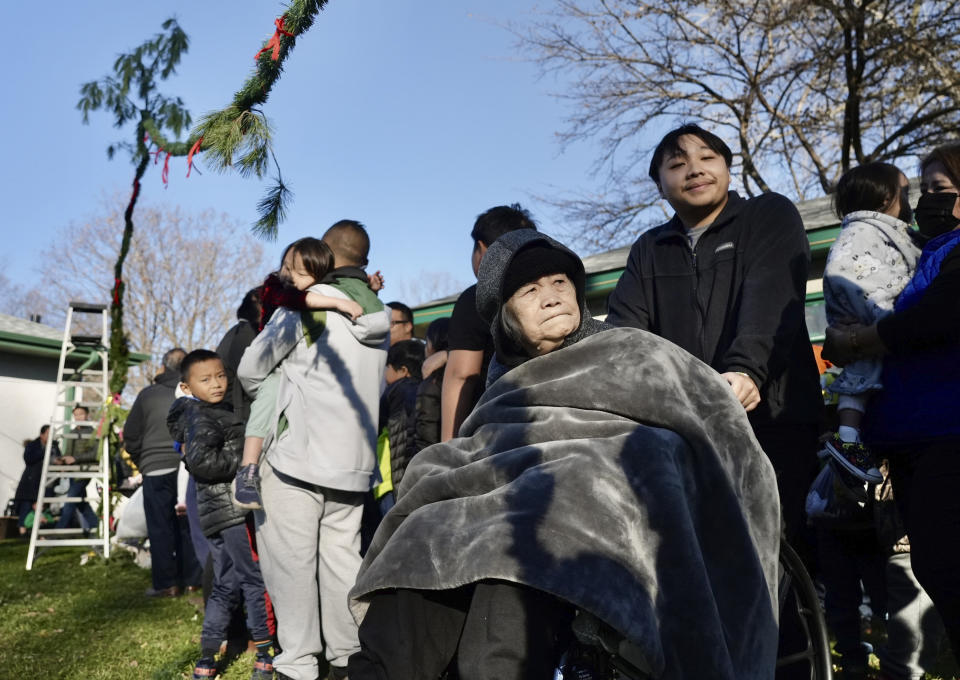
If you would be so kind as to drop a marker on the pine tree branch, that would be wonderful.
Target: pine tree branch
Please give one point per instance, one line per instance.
(238, 137)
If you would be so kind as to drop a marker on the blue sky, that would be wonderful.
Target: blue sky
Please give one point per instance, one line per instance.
(411, 117)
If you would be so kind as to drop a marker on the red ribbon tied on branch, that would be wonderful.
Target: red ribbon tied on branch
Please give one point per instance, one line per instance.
(193, 149)
(274, 42)
(165, 173)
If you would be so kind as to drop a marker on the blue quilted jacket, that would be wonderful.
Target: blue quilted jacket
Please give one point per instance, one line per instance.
(921, 392)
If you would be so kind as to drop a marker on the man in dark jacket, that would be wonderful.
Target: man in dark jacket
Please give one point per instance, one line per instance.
(147, 440)
(28, 490)
(232, 346)
(211, 437)
(725, 279)
(471, 346)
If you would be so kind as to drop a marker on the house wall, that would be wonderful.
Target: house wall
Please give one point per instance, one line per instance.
(25, 406)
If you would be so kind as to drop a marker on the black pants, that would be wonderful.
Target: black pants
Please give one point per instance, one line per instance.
(490, 631)
(926, 487)
(848, 557)
(172, 559)
(792, 449)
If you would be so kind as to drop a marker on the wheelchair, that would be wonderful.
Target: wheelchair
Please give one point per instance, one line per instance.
(600, 653)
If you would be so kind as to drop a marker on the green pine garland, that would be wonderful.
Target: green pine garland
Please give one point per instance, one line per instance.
(238, 137)
(130, 94)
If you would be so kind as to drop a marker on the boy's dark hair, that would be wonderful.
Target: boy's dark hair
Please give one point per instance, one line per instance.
(251, 306)
(197, 356)
(949, 156)
(409, 354)
(316, 255)
(403, 309)
(497, 221)
(871, 186)
(44, 428)
(349, 241)
(669, 147)
(437, 333)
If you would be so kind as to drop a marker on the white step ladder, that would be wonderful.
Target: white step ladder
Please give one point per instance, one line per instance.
(86, 386)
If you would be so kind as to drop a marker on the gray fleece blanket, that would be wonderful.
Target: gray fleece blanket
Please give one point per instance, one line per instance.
(619, 474)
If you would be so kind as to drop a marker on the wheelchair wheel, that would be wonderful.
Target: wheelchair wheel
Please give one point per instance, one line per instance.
(799, 601)
(600, 653)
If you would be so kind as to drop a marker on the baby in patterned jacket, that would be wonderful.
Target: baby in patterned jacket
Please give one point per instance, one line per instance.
(871, 261)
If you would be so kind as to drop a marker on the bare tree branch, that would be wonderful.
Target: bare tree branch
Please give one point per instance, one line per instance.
(186, 275)
(803, 91)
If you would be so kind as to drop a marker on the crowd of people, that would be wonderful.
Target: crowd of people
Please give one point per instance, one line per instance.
(411, 508)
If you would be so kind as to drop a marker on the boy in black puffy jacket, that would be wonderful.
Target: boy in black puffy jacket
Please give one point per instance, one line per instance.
(396, 445)
(211, 440)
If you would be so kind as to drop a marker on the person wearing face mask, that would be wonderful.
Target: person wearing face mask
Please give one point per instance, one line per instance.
(913, 422)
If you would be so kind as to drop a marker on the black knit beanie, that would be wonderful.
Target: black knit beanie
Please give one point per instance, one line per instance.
(536, 260)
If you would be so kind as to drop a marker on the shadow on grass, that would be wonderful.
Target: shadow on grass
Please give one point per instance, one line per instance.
(179, 665)
(93, 621)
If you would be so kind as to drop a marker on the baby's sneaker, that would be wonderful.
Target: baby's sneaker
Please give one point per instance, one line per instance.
(246, 489)
(855, 458)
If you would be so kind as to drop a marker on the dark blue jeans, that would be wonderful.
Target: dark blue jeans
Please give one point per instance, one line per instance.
(201, 547)
(88, 518)
(236, 582)
(173, 561)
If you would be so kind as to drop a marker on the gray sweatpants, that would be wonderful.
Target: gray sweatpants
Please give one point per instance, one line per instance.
(309, 544)
(914, 629)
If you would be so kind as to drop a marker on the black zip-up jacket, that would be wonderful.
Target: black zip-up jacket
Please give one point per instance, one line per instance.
(212, 440)
(427, 427)
(735, 301)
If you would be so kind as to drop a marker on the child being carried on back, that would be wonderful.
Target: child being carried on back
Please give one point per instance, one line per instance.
(211, 439)
(305, 262)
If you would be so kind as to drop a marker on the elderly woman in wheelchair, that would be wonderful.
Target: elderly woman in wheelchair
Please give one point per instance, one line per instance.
(606, 475)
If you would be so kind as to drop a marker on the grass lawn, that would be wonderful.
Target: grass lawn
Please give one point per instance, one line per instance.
(64, 620)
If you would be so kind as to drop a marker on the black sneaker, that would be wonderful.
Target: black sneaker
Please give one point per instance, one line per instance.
(855, 458)
(246, 489)
(206, 669)
(262, 667)
(338, 673)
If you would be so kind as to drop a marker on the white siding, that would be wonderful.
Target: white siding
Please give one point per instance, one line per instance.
(25, 406)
